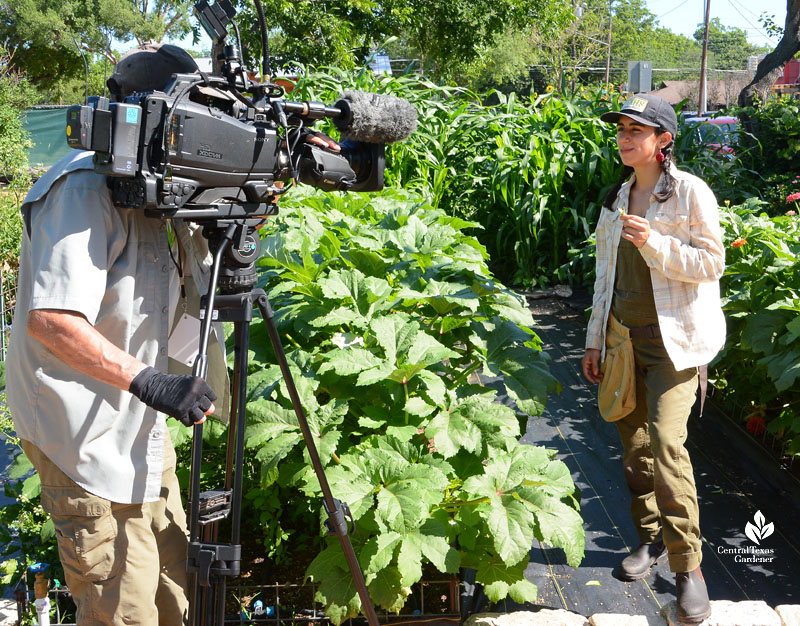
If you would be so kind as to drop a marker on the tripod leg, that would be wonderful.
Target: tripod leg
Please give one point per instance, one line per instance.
(332, 506)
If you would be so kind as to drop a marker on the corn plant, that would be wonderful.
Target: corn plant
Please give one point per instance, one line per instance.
(531, 173)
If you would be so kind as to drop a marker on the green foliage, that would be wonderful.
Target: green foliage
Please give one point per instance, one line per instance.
(445, 37)
(760, 365)
(775, 134)
(93, 26)
(14, 96)
(394, 328)
(27, 534)
(727, 45)
(532, 172)
(733, 177)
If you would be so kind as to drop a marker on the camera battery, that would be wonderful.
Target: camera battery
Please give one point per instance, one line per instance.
(125, 147)
(79, 126)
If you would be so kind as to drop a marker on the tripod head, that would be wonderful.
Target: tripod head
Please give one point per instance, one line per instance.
(237, 272)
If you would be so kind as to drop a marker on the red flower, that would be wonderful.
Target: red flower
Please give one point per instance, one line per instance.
(739, 243)
(756, 425)
(793, 197)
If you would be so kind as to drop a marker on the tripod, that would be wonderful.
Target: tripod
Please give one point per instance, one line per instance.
(235, 246)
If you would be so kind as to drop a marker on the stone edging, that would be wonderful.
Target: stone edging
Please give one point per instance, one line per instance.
(723, 613)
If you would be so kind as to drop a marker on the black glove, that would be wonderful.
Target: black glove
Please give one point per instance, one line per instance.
(186, 398)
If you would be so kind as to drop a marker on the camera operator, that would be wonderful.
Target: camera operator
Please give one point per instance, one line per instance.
(98, 295)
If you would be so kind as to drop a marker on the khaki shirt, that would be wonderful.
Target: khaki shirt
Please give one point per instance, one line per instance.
(686, 259)
(113, 266)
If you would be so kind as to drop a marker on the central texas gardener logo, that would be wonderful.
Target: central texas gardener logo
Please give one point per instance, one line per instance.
(760, 530)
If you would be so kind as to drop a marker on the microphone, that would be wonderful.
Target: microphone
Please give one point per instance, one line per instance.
(374, 118)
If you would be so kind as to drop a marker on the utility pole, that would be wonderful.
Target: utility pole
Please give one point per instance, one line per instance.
(703, 104)
(608, 50)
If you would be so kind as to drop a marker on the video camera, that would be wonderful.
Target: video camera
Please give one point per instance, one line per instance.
(220, 147)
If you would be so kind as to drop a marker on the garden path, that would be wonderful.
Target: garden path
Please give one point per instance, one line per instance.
(736, 477)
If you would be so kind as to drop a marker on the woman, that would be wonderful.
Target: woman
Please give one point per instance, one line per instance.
(659, 260)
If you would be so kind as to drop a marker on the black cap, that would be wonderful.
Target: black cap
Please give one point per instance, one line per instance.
(149, 67)
(646, 109)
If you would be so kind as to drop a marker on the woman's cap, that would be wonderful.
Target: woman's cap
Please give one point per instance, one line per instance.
(648, 110)
(149, 67)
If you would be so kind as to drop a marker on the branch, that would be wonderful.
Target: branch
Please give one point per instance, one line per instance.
(771, 67)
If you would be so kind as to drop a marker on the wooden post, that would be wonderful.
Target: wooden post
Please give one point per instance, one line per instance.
(608, 50)
(703, 65)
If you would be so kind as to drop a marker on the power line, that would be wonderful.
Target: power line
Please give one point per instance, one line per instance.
(734, 4)
(672, 9)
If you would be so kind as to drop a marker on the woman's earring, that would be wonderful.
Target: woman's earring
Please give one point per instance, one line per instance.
(660, 157)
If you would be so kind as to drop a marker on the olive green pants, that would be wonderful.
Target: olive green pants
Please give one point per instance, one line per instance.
(123, 563)
(657, 467)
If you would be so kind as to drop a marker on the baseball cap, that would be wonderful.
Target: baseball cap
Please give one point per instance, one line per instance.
(646, 109)
(149, 67)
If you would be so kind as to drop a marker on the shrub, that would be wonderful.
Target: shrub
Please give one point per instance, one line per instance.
(760, 364)
(15, 95)
(395, 333)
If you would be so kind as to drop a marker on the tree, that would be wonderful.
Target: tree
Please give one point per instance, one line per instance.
(727, 45)
(89, 26)
(579, 44)
(771, 67)
(448, 36)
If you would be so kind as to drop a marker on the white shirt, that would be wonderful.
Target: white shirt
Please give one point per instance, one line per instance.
(113, 266)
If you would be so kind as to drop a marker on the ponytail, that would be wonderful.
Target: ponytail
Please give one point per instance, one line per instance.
(667, 189)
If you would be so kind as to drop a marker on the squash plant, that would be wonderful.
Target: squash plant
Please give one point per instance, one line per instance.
(400, 342)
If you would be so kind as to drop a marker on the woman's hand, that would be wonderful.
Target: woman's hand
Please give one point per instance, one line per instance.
(591, 365)
(635, 229)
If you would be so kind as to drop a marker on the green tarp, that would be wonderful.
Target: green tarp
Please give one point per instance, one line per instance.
(46, 128)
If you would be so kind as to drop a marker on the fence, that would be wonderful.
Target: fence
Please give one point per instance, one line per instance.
(8, 291)
(431, 603)
(46, 126)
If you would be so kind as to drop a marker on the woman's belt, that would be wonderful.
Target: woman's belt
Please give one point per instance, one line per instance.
(651, 331)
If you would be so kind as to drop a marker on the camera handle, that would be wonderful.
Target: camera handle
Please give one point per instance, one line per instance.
(211, 563)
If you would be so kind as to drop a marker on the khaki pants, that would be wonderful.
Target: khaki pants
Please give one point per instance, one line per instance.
(124, 563)
(657, 467)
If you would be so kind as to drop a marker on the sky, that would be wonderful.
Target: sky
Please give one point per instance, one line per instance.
(683, 16)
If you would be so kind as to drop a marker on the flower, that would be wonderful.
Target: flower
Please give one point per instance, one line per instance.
(793, 197)
(756, 425)
(739, 242)
(550, 88)
(790, 212)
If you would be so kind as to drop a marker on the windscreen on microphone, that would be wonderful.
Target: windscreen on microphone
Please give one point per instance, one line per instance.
(375, 118)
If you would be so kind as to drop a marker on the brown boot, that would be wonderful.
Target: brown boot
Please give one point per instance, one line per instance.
(693, 604)
(638, 563)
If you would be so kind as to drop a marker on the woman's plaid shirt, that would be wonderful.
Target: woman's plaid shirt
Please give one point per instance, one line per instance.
(686, 258)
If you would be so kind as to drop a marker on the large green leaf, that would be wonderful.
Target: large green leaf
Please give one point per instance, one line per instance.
(337, 589)
(526, 376)
(557, 524)
(451, 431)
(395, 334)
(388, 591)
(416, 545)
(763, 328)
(378, 552)
(498, 578)
(406, 498)
(20, 467)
